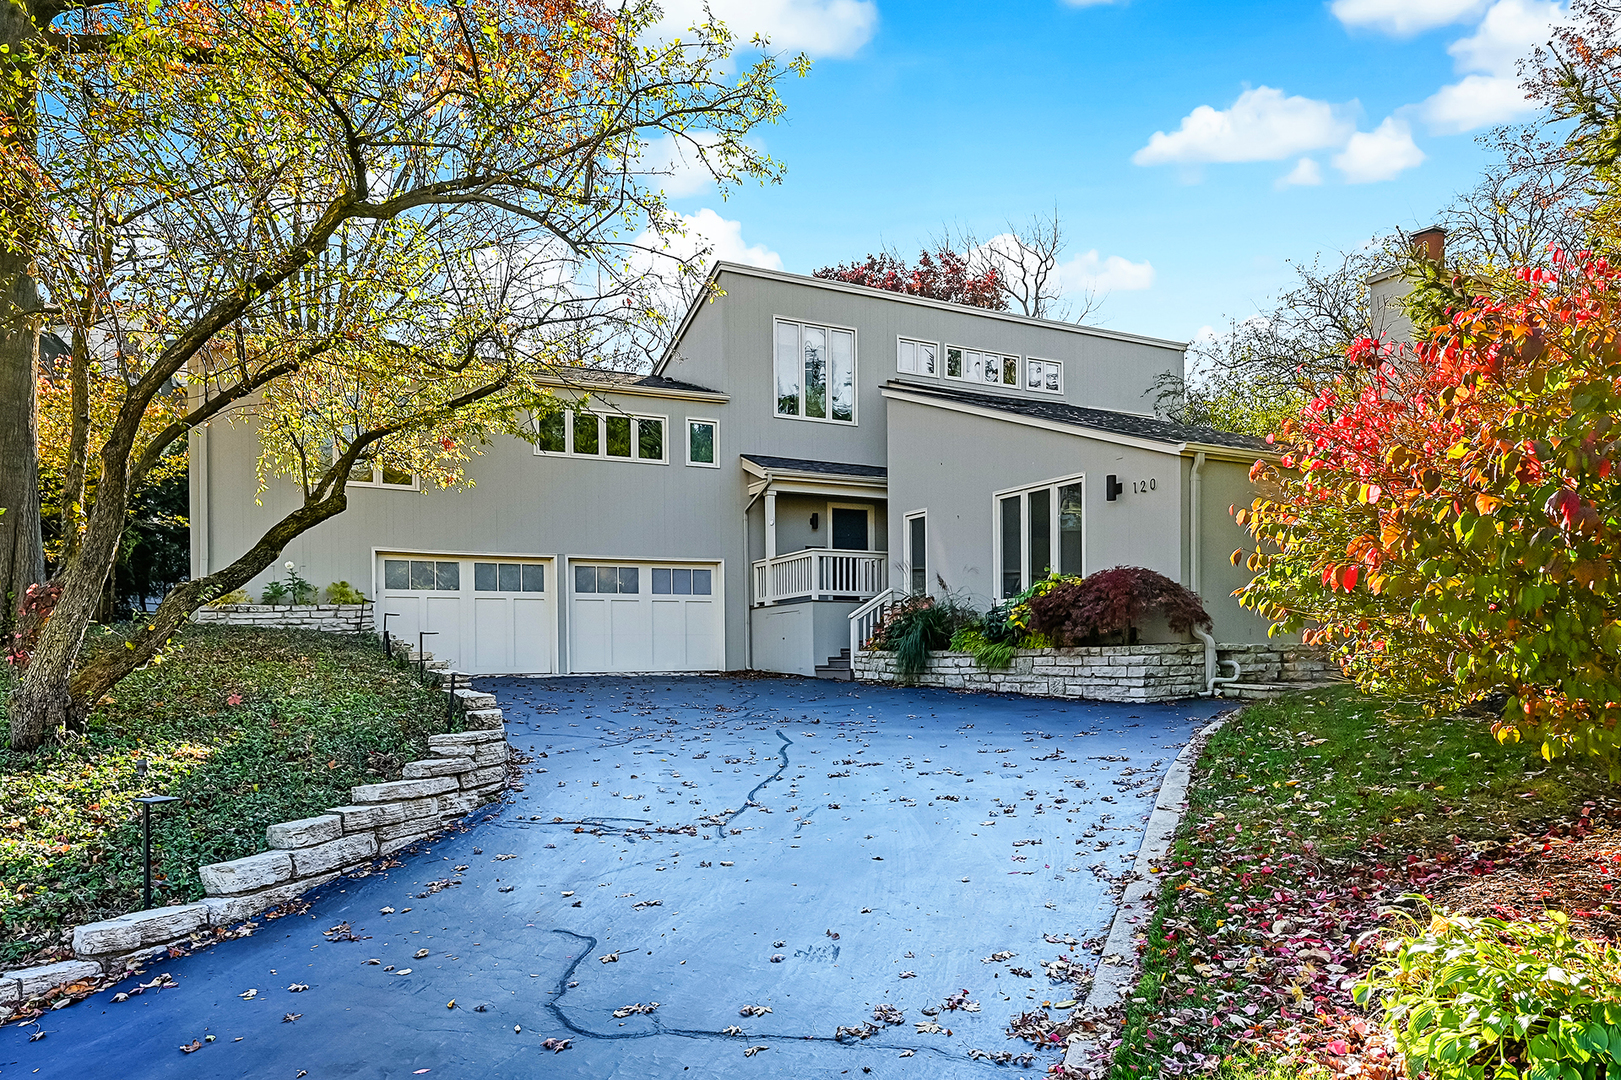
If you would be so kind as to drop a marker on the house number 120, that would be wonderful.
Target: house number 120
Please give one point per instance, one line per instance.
(1138, 487)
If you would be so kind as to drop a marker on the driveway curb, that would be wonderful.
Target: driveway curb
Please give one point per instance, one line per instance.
(1118, 969)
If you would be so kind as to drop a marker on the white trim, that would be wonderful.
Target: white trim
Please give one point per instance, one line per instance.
(1004, 357)
(906, 548)
(939, 359)
(377, 481)
(855, 371)
(872, 521)
(1028, 360)
(570, 415)
(714, 442)
(1055, 537)
(712, 291)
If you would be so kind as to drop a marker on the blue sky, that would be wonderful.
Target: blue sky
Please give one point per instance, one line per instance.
(1192, 149)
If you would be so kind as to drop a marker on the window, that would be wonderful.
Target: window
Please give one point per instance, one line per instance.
(509, 577)
(1039, 533)
(971, 365)
(607, 579)
(1046, 376)
(615, 435)
(702, 435)
(815, 371)
(388, 476)
(917, 551)
(678, 581)
(915, 357)
(422, 575)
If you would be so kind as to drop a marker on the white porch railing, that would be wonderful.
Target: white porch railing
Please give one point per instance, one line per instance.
(819, 574)
(865, 619)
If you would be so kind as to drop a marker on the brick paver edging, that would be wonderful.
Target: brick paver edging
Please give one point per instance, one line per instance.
(466, 770)
(1118, 969)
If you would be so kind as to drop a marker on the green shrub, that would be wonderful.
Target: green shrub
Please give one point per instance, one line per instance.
(235, 596)
(341, 592)
(1490, 999)
(276, 593)
(918, 625)
(1112, 604)
(994, 655)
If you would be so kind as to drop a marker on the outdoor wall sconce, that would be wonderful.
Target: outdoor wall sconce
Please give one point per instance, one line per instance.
(816, 520)
(1112, 487)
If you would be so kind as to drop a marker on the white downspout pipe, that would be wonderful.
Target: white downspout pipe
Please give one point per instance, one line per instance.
(1195, 523)
(748, 606)
(1212, 665)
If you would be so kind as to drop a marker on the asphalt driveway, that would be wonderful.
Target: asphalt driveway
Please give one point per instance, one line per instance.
(818, 850)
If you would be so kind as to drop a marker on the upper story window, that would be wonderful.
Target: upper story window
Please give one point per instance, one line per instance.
(702, 435)
(815, 371)
(971, 365)
(915, 357)
(371, 474)
(613, 435)
(1046, 376)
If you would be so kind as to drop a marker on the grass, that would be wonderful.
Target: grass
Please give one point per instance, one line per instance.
(245, 726)
(1298, 807)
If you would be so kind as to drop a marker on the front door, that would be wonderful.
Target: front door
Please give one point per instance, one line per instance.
(850, 528)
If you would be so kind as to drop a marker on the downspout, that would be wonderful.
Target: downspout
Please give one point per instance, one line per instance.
(1212, 665)
(748, 586)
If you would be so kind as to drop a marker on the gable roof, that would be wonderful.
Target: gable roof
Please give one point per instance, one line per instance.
(628, 382)
(708, 294)
(1126, 425)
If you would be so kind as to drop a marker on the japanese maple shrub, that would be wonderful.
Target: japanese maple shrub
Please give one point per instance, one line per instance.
(1448, 517)
(1108, 606)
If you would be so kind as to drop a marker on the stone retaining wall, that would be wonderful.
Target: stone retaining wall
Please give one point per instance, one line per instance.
(1130, 673)
(342, 618)
(466, 770)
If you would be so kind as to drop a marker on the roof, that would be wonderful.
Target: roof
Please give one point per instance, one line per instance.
(823, 468)
(1115, 423)
(627, 382)
(707, 294)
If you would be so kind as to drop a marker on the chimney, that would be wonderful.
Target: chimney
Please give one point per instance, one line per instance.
(1430, 243)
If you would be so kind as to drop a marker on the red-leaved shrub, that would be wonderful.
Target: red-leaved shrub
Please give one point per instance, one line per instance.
(1113, 602)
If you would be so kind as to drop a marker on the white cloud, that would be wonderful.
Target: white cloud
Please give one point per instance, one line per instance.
(1491, 94)
(1403, 17)
(725, 239)
(1262, 125)
(1473, 102)
(817, 27)
(1380, 154)
(1306, 173)
(1090, 273)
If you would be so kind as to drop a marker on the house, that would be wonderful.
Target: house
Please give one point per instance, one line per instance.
(802, 448)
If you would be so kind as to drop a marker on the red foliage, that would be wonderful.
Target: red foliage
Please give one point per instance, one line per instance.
(32, 614)
(943, 276)
(1113, 602)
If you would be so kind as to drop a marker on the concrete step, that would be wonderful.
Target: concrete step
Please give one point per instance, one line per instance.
(836, 674)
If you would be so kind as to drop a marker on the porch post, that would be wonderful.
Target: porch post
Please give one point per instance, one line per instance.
(770, 543)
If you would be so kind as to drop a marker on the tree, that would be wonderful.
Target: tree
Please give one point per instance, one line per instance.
(1449, 517)
(369, 230)
(946, 275)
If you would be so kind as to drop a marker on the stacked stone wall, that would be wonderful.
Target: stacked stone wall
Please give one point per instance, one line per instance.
(339, 618)
(1126, 673)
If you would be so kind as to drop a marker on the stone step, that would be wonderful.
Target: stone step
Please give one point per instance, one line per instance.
(834, 673)
(1256, 691)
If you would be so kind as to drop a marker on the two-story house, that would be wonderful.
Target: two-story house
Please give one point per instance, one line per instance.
(803, 447)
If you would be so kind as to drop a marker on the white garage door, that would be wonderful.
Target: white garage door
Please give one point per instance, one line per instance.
(486, 616)
(644, 617)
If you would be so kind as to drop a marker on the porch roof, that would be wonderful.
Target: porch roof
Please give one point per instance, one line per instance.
(811, 477)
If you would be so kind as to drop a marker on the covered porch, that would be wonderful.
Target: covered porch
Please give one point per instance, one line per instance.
(823, 524)
(818, 530)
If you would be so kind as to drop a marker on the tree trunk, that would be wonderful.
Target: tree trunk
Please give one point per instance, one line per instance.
(22, 560)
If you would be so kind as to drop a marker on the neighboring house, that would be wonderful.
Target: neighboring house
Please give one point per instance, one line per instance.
(803, 446)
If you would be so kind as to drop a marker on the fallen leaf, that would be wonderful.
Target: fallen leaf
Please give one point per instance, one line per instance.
(248, 995)
(290, 1017)
(751, 1051)
(419, 954)
(192, 1047)
(299, 988)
